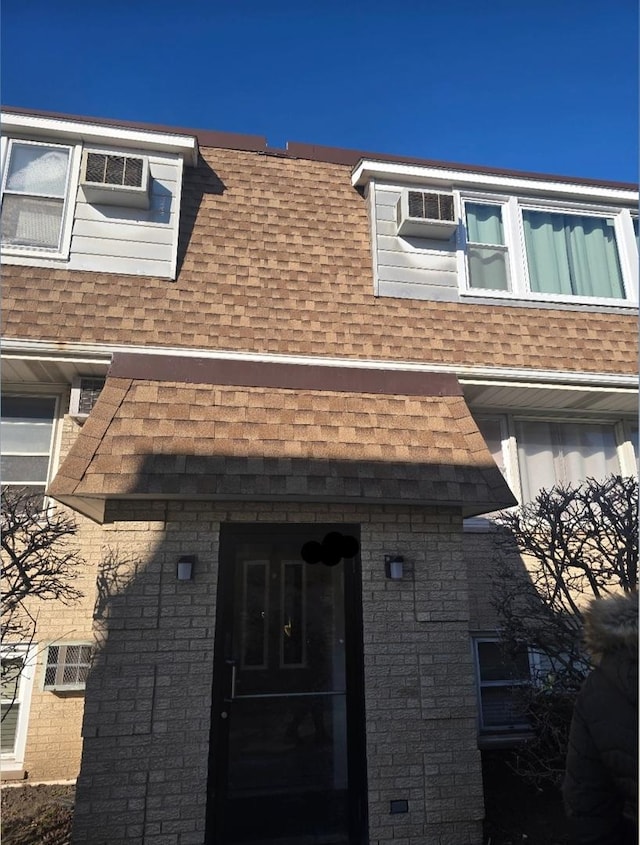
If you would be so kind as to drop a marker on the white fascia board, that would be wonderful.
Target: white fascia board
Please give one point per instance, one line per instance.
(451, 178)
(97, 133)
(102, 353)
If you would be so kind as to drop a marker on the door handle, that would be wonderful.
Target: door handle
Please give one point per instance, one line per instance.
(232, 664)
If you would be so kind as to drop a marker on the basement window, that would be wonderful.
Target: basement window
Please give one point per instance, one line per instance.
(67, 666)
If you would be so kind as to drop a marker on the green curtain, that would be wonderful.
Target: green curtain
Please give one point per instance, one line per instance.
(484, 224)
(488, 267)
(572, 254)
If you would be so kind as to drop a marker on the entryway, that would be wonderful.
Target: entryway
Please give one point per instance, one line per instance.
(287, 762)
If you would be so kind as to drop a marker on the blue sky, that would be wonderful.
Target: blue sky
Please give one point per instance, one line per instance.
(549, 85)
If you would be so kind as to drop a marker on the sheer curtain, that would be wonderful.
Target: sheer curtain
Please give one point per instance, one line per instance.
(33, 201)
(563, 453)
(487, 264)
(572, 254)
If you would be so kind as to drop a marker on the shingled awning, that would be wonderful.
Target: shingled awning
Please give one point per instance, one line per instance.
(166, 428)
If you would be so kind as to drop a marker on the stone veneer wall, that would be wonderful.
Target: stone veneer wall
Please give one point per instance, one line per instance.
(147, 714)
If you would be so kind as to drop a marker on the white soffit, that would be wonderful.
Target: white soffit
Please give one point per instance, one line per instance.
(576, 399)
(32, 126)
(48, 371)
(450, 178)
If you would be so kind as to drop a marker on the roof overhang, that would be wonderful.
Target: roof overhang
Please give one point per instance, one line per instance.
(518, 396)
(29, 126)
(448, 178)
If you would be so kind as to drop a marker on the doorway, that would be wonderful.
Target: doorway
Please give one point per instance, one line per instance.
(287, 761)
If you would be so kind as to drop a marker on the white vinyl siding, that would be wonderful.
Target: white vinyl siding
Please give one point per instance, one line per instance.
(117, 239)
(415, 267)
(487, 258)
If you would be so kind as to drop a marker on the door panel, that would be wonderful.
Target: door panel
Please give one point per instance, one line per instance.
(285, 726)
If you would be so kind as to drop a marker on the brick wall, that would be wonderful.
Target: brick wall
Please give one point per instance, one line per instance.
(147, 716)
(479, 556)
(54, 741)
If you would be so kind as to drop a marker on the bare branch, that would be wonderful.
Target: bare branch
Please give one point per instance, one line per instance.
(39, 563)
(571, 545)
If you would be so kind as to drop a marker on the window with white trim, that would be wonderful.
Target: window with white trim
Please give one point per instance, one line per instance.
(551, 453)
(571, 254)
(17, 671)
(26, 440)
(35, 197)
(487, 251)
(501, 679)
(519, 249)
(535, 453)
(68, 666)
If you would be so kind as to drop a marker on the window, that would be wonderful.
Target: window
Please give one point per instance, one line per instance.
(541, 453)
(524, 250)
(34, 196)
(563, 453)
(17, 669)
(26, 434)
(67, 666)
(572, 254)
(486, 250)
(500, 682)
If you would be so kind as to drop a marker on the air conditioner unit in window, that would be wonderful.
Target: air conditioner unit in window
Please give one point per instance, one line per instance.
(424, 214)
(67, 667)
(84, 395)
(111, 179)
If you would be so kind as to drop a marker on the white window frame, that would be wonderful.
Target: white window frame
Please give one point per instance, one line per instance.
(503, 202)
(620, 424)
(14, 761)
(69, 203)
(38, 392)
(513, 227)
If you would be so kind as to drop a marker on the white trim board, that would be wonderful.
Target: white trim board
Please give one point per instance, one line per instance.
(97, 133)
(451, 178)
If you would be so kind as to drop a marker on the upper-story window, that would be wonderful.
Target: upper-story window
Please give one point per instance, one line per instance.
(35, 195)
(487, 252)
(572, 254)
(516, 249)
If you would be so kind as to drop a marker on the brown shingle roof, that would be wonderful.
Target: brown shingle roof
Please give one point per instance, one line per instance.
(169, 439)
(278, 260)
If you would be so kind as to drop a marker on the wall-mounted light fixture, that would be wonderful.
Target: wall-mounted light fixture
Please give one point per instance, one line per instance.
(394, 567)
(184, 569)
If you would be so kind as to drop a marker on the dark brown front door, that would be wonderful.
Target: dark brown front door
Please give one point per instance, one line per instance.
(287, 760)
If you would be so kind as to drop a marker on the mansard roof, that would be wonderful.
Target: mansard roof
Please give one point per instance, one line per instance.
(275, 257)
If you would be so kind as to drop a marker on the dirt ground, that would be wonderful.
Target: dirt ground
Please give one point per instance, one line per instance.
(516, 814)
(37, 815)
